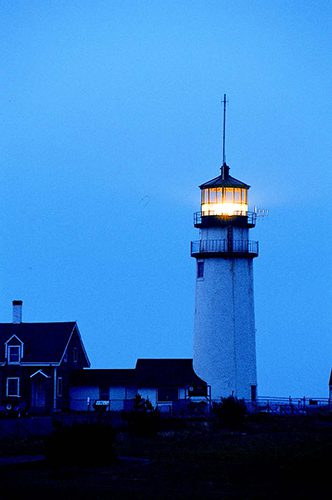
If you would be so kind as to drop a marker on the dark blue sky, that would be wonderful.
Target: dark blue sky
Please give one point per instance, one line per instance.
(111, 118)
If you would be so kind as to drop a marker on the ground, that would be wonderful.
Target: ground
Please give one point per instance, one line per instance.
(269, 457)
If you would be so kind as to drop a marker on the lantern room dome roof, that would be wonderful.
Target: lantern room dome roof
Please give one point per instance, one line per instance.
(224, 180)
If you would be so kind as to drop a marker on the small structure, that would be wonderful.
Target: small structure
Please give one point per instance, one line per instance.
(162, 381)
(36, 360)
(330, 389)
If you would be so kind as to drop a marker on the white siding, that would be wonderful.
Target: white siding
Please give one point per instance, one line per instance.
(224, 340)
(79, 397)
(148, 393)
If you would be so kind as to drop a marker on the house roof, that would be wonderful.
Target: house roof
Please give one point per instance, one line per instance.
(330, 382)
(43, 342)
(125, 377)
(224, 180)
(166, 373)
(147, 373)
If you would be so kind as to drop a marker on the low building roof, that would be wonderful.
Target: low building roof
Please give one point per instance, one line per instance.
(148, 373)
(114, 376)
(166, 373)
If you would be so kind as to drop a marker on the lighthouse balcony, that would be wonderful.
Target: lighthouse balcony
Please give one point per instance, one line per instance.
(213, 218)
(224, 248)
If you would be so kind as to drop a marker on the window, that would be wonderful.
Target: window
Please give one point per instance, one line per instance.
(14, 354)
(59, 387)
(168, 394)
(213, 195)
(229, 195)
(104, 392)
(237, 195)
(75, 354)
(13, 386)
(200, 269)
(205, 196)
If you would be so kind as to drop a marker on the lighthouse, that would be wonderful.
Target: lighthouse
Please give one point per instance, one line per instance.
(224, 327)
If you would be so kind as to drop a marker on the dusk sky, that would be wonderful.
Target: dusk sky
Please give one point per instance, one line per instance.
(110, 119)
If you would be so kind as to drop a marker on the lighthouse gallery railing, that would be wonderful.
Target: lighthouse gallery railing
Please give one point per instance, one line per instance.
(250, 217)
(243, 247)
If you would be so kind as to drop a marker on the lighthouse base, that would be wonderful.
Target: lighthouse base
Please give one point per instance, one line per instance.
(224, 339)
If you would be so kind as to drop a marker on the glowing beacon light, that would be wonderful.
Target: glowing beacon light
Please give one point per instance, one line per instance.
(224, 196)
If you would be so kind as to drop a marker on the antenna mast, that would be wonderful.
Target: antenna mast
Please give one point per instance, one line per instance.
(224, 133)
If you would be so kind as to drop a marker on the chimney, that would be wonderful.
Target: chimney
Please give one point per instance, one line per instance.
(17, 311)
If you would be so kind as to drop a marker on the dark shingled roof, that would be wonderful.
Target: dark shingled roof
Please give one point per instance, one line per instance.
(122, 377)
(43, 342)
(224, 180)
(148, 373)
(166, 373)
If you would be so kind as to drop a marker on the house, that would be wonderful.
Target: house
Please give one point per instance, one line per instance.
(162, 381)
(330, 388)
(36, 362)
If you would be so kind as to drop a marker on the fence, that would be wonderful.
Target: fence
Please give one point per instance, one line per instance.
(203, 406)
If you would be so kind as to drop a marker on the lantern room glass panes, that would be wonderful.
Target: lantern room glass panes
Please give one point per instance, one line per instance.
(224, 201)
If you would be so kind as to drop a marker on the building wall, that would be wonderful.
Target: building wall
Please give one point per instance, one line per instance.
(79, 397)
(117, 396)
(148, 393)
(224, 339)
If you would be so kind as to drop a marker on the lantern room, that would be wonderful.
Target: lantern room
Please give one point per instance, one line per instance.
(224, 195)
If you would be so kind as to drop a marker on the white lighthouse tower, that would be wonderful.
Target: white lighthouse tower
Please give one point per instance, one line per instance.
(224, 335)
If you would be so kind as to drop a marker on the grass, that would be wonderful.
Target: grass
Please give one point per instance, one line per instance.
(269, 458)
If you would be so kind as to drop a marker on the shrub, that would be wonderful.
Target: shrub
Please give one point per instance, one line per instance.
(231, 411)
(81, 444)
(143, 419)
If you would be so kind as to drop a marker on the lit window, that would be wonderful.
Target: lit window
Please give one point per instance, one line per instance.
(200, 269)
(14, 354)
(13, 387)
(59, 387)
(213, 195)
(229, 195)
(227, 201)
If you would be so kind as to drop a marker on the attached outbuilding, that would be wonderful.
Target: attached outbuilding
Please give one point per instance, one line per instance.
(163, 382)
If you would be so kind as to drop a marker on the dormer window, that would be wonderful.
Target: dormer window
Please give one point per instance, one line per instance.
(14, 348)
(14, 354)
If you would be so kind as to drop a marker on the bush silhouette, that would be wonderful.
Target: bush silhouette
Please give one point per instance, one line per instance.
(143, 419)
(231, 411)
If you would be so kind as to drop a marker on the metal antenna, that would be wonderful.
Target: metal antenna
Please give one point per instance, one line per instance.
(224, 133)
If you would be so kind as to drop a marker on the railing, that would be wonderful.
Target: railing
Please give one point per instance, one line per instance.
(250, 217)
(288, 406)
(230, 247)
